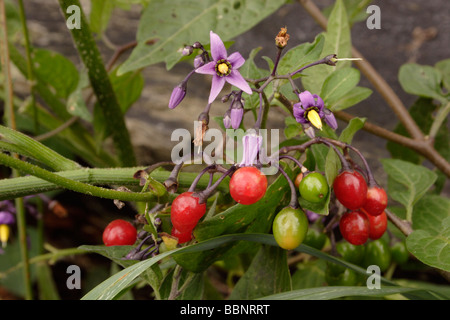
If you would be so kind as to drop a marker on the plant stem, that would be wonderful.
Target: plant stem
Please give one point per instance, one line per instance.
(30, 72)
(11, 121)
(113, 116)
(438, 120)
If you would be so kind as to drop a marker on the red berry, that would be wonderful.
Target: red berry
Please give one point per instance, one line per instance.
(248, 185)
(350, 189)
(376, 201)
(186, 211)
(119, 233)
(377, 225)
(354, 227)
(182, 236)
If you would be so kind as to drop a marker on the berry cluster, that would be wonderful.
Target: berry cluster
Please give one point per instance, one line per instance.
(355, 189)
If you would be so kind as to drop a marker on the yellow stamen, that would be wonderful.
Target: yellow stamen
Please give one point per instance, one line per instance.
(314, 118)
(223, 68)
(4, 234)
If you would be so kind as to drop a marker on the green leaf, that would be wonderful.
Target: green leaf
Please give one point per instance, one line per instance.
(34, 149)
(301, 55)
(422, 111)
(430, 247)
(58, 72)
(421, 81)
(407, 182)
(334, 292)
(337, 41)
(354, 96)
(443, 67)
(101, 11)
(309, 274)
(339, 83)
(269, 263)
(181, 23)
(429, 212)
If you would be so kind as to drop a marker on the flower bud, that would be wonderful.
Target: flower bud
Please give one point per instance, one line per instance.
(330, 119)
(178, 94)
(199, 61)
(236, 115)
(227, 119)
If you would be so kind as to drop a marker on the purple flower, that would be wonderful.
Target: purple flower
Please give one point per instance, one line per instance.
(6, 217)
(236, 115)
(310, 111)
(223, 68)
(178, 94)
(251, 144)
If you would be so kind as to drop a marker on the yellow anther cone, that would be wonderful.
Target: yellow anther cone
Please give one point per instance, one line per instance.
(4, 234)
(314, 118)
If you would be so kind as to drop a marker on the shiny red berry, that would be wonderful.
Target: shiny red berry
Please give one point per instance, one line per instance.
(186, 211)
(376, 201)
(377, 224)
(350, 189)
(182, 236)
(354, 227)
(248, 185)
(119, 233)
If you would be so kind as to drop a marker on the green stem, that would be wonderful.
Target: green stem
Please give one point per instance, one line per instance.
(11, 122)
(101, 84)
(440, 118)
(21, 227)
(29, 185)
(75, 185)
(30, 72)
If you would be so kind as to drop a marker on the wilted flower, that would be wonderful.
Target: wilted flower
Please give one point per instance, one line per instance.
(223, 68)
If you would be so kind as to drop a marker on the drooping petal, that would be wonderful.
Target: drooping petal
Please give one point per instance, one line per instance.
(235, 79)
(236, 60)
(218, 50)
(251, 144)
(209, 68)
(216, 86)
(307, 99)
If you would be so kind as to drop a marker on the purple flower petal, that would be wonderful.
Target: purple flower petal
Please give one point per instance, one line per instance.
(218, 50)
(235, 79)
(216, 86)
(319, 102)
(307, 99)
(299, 113)
(209, 68)
(330, 119)
(236, 60)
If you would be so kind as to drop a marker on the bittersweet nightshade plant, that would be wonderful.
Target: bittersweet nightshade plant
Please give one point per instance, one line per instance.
(251, 144)
(223, 68)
